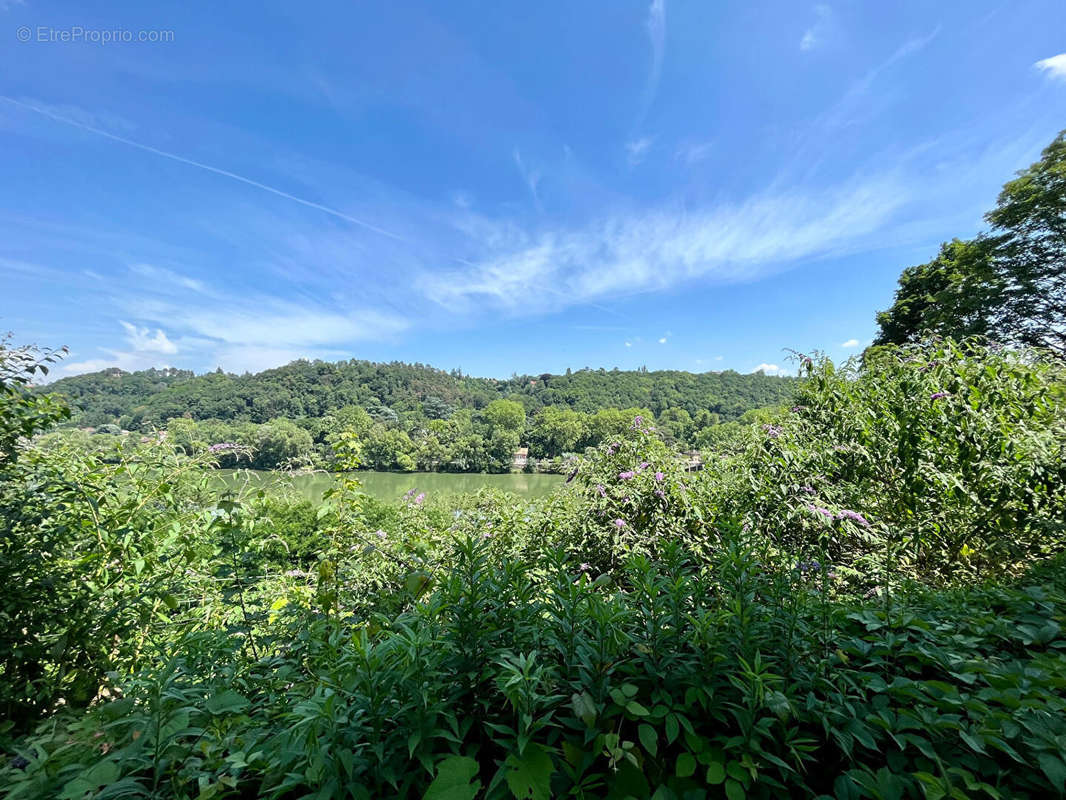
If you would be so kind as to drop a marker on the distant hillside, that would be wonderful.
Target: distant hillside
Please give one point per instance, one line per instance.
(316, 388)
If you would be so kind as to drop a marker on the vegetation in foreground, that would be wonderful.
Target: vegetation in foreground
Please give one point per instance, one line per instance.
(862, 598)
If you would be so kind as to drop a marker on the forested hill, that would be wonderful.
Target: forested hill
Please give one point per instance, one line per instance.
(315, 388)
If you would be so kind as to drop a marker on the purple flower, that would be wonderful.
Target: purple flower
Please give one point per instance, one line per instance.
(825, 512)
(643, 466)
(638, 422)
(223, 446)
(807, 489)
(627, 475)
(410, 493)
(773, 431)
(381, 534)
(418, 500)
(660, 493)
(584, 566)
(938, 395)
(601, 490)
(486, 535)
(572, 475)
(620, 523)
(660, 477)
(854, 516)
(797, 409)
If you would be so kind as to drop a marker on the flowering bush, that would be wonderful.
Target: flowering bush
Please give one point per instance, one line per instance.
(940, 461)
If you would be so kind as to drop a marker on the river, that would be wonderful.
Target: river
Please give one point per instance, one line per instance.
(392, 485)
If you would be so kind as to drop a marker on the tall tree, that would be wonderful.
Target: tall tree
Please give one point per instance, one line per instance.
(950, 295)
(1008, 284)
(1030, 220)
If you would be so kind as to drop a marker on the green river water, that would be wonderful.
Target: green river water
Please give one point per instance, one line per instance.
(392, 485)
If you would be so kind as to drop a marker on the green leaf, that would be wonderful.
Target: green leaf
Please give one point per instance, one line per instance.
(672, 728)
(1054, 769)
(734, 790)
(455, 780)
(648, 738)
(103, 773)
(584, 707)
(636, 709)
(227, 702)
(529, 775)
(686, 765)
(715, 773)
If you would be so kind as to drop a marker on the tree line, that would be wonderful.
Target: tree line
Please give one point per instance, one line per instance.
(468, 440)
(147, 399)
(408, 416)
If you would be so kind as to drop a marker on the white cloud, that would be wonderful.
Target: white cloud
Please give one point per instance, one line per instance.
(145, 350)
(530, 176)
(557, 268)
(718, 358)
(850, 343)
(1055, 67)
(769, 369)
(662, 340)
(694, 152)
(816, 34)
(97, 364)
(142, 341)
(629, 344)
(637, 149)
(167, 279)
(294, 326)
(656, 25)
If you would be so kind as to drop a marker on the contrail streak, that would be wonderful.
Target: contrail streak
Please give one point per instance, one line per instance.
(182, 160)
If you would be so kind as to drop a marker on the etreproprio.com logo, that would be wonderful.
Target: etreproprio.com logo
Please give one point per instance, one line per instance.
(76, 34)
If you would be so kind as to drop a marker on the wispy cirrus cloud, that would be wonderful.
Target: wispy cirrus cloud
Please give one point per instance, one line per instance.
(816, 34)
(660, 249)
(90, 128)
(637, 149)
(168, 279)
(530, 176)
(1054, 67)
(694, 152)
(656, 27)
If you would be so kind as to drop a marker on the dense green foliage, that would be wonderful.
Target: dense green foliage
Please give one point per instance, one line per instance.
(863, 597)
(1008, 284)
(409, 416)
(413, 392)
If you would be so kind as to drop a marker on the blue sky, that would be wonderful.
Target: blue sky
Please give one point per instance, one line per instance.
(511, 187)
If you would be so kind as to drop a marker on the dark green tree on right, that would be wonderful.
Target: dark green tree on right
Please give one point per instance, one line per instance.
(1008, 284)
